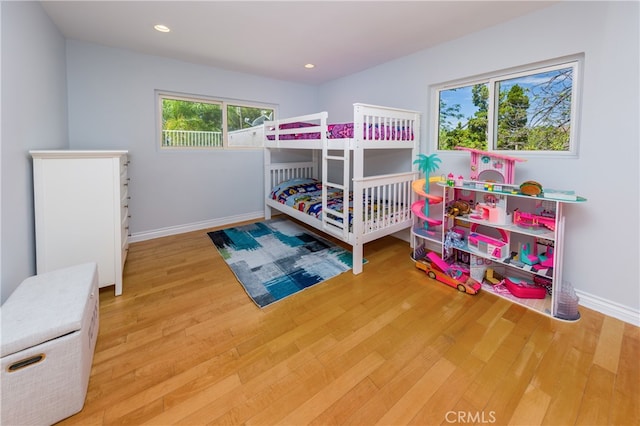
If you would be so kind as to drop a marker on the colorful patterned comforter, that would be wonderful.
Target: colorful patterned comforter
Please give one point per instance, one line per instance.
(305, 195)
(345, 130)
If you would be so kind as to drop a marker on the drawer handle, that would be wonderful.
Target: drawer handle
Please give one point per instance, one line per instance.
(25, 363)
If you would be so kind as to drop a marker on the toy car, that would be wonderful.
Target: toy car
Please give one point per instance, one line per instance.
(439, 270)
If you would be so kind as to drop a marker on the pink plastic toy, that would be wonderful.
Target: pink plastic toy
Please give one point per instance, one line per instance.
(489, 166)
(527, 256)
(439, 270)
(525, 289)
(530, 220)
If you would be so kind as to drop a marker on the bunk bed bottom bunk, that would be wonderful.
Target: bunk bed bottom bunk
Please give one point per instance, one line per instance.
(385, 208)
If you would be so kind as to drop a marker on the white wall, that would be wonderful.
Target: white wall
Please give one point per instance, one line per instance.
(34, 116)
(601, 251)
(112, 106)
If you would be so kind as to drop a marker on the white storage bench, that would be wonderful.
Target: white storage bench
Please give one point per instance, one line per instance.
(49, 330)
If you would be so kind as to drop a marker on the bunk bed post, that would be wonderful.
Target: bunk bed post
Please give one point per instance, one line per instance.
(358, 187)
(267, 181)
(415, 151)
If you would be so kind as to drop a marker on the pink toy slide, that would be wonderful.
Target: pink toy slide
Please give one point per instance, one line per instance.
(446, 268)
(418, 209)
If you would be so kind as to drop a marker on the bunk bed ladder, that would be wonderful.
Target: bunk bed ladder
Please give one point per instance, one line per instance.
(334, 221)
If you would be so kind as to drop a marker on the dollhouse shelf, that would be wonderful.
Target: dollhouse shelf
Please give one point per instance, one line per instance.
(539, 229)
(510, 190)
(534, 232)
(433, 236)
(540, 305)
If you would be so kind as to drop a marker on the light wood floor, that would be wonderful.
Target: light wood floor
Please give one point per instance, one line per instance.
(185, 345)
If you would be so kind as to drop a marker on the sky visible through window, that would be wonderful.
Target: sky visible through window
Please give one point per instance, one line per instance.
(461, 96)
(532, 85)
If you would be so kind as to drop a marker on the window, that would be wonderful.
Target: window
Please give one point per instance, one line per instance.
(531, 110)
(198, 122)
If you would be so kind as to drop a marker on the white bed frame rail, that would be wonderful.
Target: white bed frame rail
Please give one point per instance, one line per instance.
(316, 123)
(365, 116)
(387, 211)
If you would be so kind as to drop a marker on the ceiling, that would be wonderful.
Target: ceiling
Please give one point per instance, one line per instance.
(277, 38)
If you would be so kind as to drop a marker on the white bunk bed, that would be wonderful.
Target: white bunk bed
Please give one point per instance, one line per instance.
(386, 206)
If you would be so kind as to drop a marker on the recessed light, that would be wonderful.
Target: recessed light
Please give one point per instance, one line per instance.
(162, 28)
(309, 66)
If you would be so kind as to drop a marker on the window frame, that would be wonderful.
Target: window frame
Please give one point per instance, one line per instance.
(576, 62)
(224, 103)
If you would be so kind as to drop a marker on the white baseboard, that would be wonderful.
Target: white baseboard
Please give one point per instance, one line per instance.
(181, 229)
(607, 307)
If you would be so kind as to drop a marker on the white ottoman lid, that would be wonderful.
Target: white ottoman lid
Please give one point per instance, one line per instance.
(46, 306)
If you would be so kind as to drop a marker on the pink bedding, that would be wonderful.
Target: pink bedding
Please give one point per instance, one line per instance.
(345, 130)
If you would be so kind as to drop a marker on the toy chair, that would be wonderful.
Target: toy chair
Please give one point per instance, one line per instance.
(492, 277)
(546, 258)
(526, 256)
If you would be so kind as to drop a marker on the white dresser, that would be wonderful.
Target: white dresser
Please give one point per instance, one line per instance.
(82, 211)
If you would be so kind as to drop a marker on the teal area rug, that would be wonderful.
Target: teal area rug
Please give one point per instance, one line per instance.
(277, 258)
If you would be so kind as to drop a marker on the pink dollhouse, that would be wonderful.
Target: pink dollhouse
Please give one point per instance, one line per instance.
(492, 167)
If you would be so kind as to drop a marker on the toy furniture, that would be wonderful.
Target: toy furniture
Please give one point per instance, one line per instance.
(546, 258)
(492, 167)
(527, 256)
(488, 246)
(530, 220)
(492, 277)
(493, 214)
(524, 289)
(49, 331)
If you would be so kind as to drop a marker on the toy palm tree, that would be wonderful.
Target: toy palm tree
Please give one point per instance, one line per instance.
(427, 164)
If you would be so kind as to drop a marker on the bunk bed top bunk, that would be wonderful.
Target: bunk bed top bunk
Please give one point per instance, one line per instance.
(373, 127)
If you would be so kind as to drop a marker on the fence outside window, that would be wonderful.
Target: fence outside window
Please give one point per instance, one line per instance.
(191, 139)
